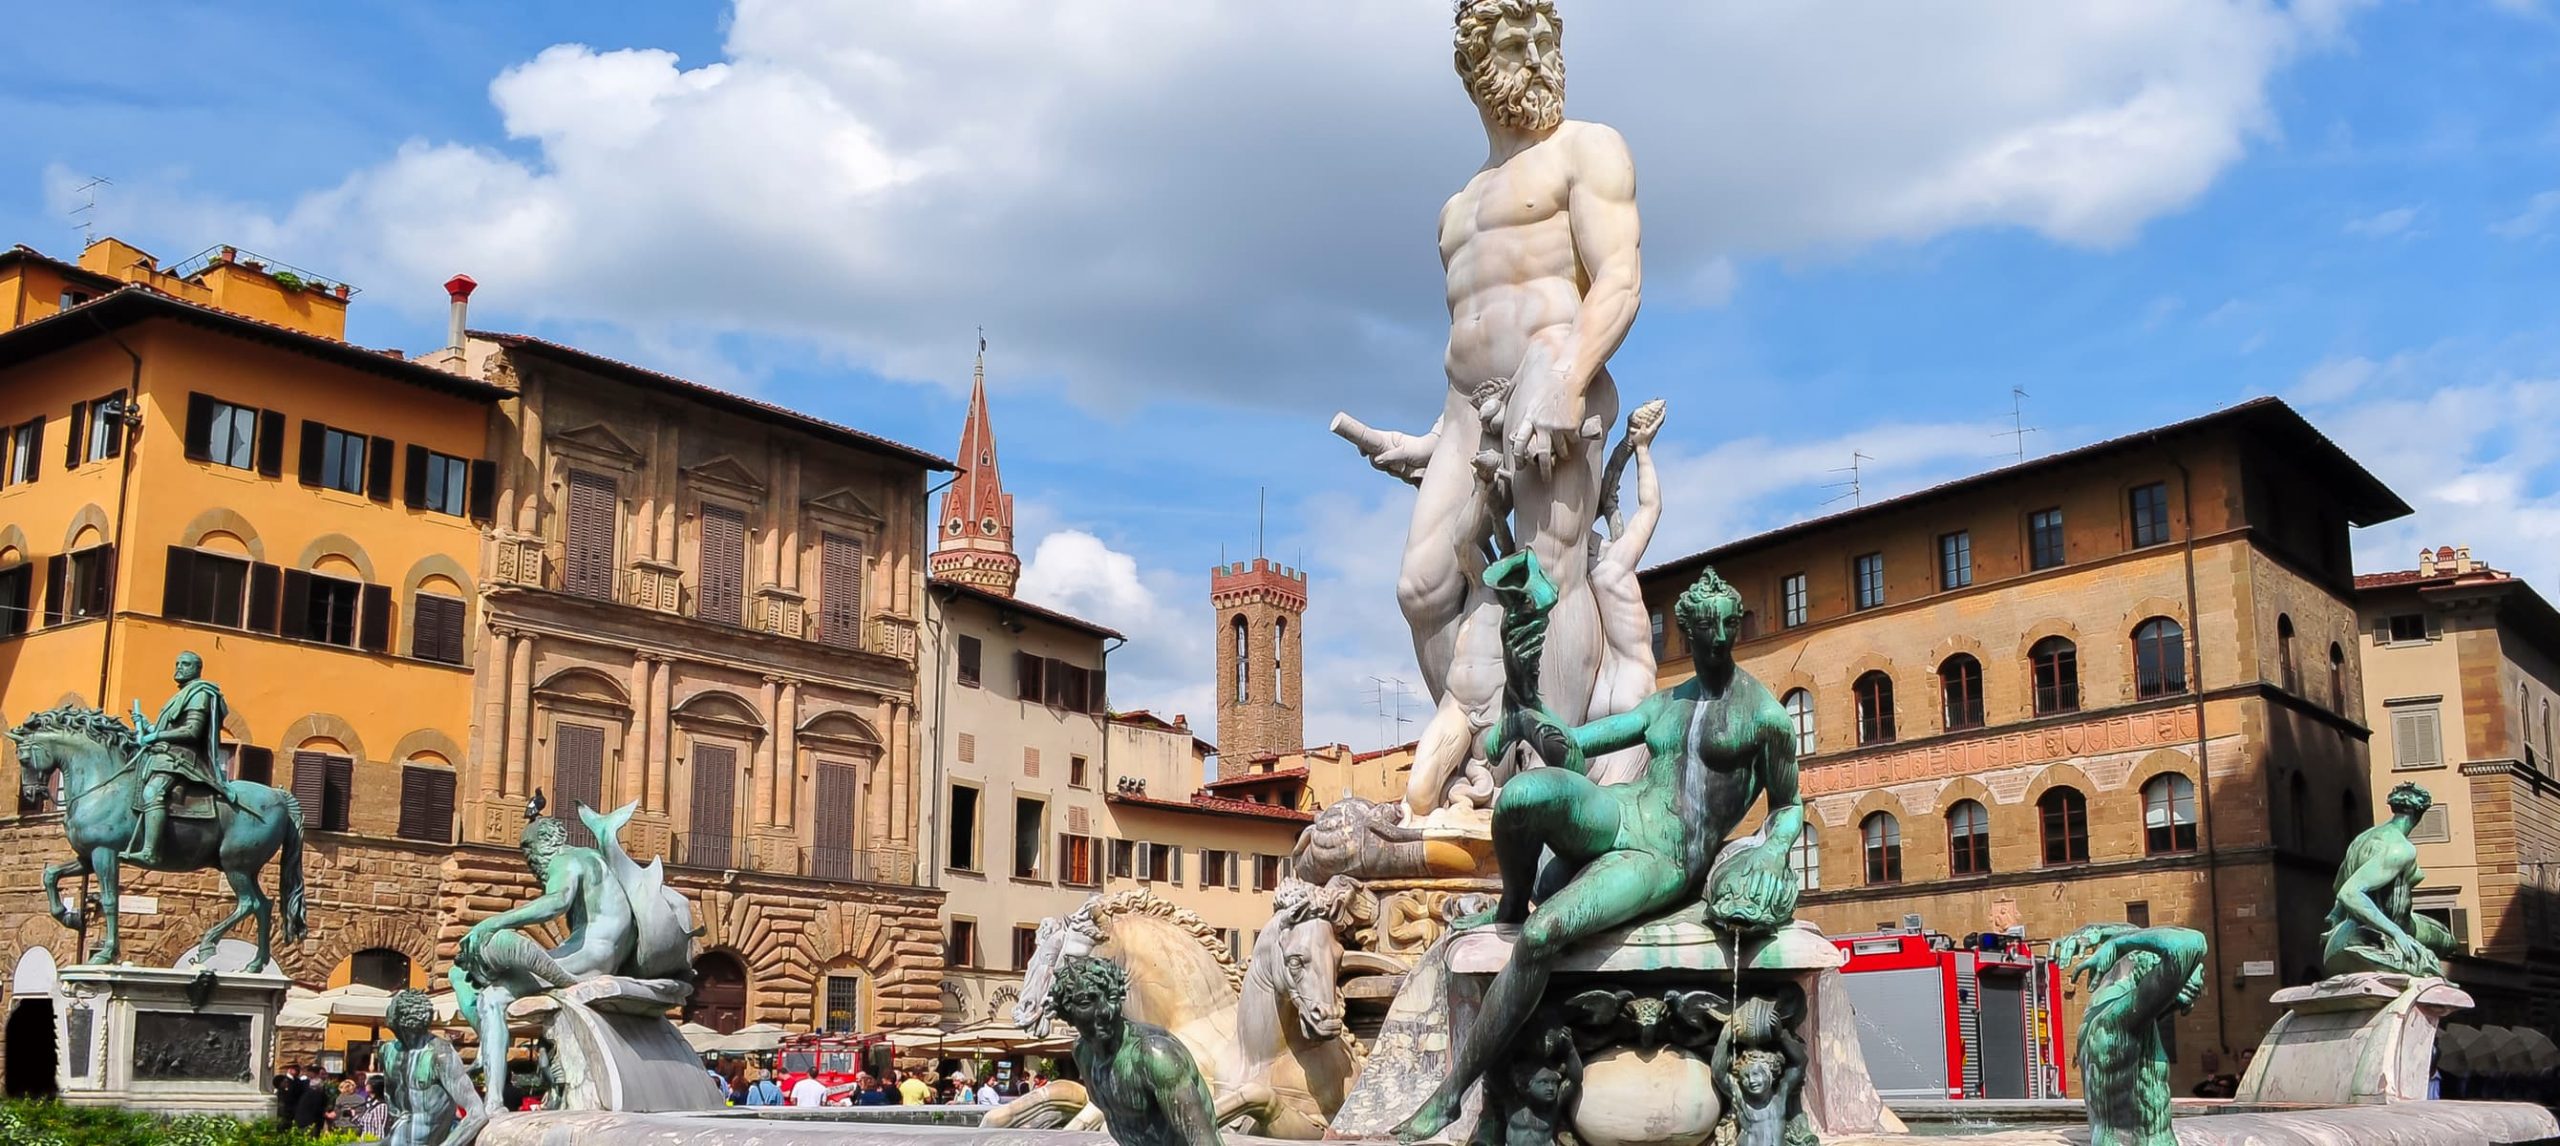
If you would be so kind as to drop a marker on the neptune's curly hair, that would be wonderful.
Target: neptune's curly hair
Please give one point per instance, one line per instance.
(1698, 601)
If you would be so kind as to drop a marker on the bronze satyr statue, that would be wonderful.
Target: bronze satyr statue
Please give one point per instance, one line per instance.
(1149, 1089)
(430, 1094)
(2371, 927)
(2140, 974)
(1625, 853)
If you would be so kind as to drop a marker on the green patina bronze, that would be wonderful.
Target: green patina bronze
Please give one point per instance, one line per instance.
(428, 1089)
(1624, 853)
(157, 799)
(2139, 975)
(1147, 1086)
(2371, 927)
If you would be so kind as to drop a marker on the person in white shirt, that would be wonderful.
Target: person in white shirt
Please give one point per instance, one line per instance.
(987, 1095)
(809, 1092)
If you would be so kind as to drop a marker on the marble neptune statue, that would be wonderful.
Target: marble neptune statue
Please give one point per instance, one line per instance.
(1632, 852)
(621, 919)
(1543, 275)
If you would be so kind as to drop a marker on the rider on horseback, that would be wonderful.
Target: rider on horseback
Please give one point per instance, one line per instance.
(185, 744)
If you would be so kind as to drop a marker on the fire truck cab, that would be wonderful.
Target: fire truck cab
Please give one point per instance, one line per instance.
(1939, 1018)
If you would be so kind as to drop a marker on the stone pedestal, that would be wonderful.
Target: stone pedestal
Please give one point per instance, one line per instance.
(2362, 1038)
(616, 1050)
(1442, 994)
(132, 1037)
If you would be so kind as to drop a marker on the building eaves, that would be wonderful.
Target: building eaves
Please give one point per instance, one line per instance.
(1251, 779)
(716, 398)
(23, 253)
(134, 303)
(1204, 804)
(1016, 604)
(2368, 501)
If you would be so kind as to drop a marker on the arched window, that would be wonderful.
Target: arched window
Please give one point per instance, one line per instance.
(2284, 654)
(2338, 679)
(1279, 656)
(2169, 814)
(1875, 707)
(2297, 813)
(379, 967)
(2057, 670)
(1960, 691)
(1244, 660)
(2159, 658)
(2063, 821)
(1806, 857)
(1882, 835)
(1968, 839)
(719, 999)
(1799, 704)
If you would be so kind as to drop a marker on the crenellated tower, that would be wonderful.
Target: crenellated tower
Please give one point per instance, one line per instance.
(973, 535)
(1260, 664)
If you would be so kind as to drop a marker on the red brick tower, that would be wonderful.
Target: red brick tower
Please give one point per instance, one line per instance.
(1260, 662)
(973, 535)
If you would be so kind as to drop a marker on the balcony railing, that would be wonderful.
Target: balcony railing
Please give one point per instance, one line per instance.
(858, 866)
(704, 850)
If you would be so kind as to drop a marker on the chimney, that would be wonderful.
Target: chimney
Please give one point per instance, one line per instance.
(459, 288)
(2426, 562)
(2462, 562)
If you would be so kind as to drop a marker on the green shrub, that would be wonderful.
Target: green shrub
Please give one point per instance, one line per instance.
(53, 1124)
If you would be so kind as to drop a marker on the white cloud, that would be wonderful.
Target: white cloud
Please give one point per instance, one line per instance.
(2383, 224)
(1168, 661)
(2537, 216)
(1142, 197)
(2334, 378)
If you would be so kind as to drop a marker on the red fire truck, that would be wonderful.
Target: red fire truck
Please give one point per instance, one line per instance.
(1938, 1018)
(835, 1058)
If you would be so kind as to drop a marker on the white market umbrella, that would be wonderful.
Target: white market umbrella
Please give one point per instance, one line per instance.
(702, 1039)
(755, 1038)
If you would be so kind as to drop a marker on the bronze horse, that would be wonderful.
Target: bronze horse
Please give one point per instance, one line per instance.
(97, 757)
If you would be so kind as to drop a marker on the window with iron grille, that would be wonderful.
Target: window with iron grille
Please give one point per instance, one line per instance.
(2044, 539)
(1955, 559)
(2150, 505)
(844, 1004)
(1870, 580)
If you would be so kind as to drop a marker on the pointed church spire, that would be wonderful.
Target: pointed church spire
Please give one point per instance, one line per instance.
(973, 541)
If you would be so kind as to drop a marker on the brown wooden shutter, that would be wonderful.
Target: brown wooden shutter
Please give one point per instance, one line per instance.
(715, 811)
(413, 480)
(724, 564)
(270, 443)
(17, 599)
(264, 582)
(102, 591)
(590, 535)
(199, 428)
(254, 764)
(34, 431)
(1057, 680)
(840, 590)
(57, 570)
(1026, 677)
(75, 436)
(483, 491)
(1097, 696)
(311, 783)
(436, 634)
(337, 801)
(373, 619)
(295, 619)
(315, 450)
(181, 577)
(377, 469)
(577, 776)
(838, 788)
(426, 804)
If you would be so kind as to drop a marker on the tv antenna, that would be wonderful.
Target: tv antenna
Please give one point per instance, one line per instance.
(1855, 486)
(2018, 427)
(1388, 694)
(87, 211)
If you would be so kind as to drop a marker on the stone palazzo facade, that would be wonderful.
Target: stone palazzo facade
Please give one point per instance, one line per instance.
(709, 606)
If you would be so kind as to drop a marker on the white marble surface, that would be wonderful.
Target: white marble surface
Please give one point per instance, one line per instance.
(115, 997)
(2364, 1038)
(1662, 1097)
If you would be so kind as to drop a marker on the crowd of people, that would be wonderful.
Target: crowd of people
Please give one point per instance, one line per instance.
(313, 1102)
(749, 1084)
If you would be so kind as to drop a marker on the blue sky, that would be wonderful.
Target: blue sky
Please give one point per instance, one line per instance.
(1194, 231)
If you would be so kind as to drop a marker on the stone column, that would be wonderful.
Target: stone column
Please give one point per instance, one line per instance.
(661, 760)
(490, 754)
(520, 718)
(761, 803)
(786, 734)
(662, 476)
(635, 736)
(901, 756)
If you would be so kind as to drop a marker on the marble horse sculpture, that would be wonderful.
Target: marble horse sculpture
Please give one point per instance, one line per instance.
(1141, 1077)
(2371, 926)
(2139, 976)
(236, 828)
(1269, 1041)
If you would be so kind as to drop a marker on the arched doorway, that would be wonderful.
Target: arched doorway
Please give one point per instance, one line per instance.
(29, 1040)
(719, 999)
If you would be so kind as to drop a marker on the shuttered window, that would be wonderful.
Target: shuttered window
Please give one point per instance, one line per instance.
(17, 599)
(26, 452)
(724, 564)
(715, 788)
(972, 655)
(437, 633)
(437, 483)
(838, 791)
(2417, 739)
(1029, 674)
(426, 804)
(208, 588)
(324, 784)
(588, 543)
(80, 584)
(336, 611)
(577, 776)
(840, 591)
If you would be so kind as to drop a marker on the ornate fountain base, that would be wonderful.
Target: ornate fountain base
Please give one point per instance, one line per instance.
(616, 1050)
(1641, 1008)
(2362, 1038)
(168, 1041)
